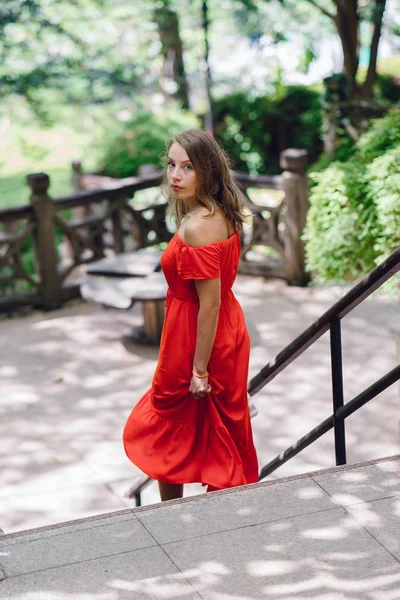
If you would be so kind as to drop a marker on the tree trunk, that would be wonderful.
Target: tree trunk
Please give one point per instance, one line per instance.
(172, 51)
(348, 25)
(367, 87)
(347, 21)
(208, 118)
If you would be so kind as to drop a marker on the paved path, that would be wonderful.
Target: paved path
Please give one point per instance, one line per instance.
(68, 384)
(325, 536)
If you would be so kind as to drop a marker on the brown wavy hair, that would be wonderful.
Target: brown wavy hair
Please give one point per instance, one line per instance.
(216, 188)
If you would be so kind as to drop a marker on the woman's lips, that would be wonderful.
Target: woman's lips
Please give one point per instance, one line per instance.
(177, 187)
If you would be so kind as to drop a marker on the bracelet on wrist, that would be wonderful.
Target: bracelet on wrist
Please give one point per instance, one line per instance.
(200, 376)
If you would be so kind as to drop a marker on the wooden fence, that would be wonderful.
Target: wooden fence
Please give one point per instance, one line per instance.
(92, 222)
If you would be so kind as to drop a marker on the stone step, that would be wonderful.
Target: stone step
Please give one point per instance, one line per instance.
(331, 534)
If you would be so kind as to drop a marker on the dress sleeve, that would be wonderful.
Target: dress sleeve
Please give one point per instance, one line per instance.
(199, 263)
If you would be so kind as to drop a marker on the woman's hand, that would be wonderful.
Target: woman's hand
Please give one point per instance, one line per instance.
(199, 387)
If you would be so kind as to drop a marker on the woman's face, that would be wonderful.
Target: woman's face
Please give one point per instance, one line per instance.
(181, 174)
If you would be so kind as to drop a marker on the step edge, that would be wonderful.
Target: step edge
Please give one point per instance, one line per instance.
(233, 490)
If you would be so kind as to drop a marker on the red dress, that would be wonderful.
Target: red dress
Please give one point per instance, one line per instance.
(170, 435)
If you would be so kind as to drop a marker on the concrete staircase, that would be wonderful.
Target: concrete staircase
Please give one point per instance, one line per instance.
(328, 535)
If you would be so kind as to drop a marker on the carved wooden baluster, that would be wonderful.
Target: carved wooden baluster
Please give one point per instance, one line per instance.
(293, 162)
(77, 213)
(50, 286)
(76, 175)
(80, 212)
(117, 223)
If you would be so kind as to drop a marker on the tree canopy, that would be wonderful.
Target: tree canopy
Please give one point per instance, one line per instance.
(90, 51)
(347, 18)
(98, 50)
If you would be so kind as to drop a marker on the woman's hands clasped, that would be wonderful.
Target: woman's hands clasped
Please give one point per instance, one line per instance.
(199, 387)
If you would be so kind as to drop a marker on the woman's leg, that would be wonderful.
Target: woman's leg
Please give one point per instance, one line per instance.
(170, 491)
(210, 488)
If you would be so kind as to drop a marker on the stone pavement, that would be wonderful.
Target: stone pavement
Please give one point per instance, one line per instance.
(68, 384)
(330, 535)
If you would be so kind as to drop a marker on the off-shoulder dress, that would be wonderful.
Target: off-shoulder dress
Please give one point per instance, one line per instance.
(169, 434)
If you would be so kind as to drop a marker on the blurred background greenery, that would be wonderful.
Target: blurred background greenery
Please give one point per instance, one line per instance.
(108, 82)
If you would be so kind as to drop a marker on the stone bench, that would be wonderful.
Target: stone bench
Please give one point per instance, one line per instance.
(128, 264)
(120, 281)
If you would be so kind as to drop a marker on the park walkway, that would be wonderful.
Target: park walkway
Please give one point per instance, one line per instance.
(68, 384)
(330, 535)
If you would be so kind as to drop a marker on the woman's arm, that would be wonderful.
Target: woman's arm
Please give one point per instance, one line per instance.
(209, 293)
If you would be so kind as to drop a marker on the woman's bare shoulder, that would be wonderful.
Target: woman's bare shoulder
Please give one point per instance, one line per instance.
(202, 229)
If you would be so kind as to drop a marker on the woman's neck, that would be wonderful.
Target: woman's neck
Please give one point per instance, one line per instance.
(191, 207)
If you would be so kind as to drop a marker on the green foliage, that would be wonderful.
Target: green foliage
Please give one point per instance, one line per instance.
(29, 265)
(384, 188)
(28, 259)
(390, 65)
(378, 136)
(141, 141)
(316, 19)
(387, 84)
(354, 218)
(32, 151)
(83, 50)
(388, 88)
(383, 135)
(255, 131)
(26, 147)
(339, 224)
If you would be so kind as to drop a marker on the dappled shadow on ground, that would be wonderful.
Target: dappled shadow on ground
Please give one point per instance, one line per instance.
(67, 398)
(69, 384)
(244, 545)
(300, 397)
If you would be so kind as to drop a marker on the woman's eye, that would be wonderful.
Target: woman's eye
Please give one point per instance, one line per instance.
(170, 164)
(189, 167)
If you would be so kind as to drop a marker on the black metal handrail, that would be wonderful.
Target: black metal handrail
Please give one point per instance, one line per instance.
(331, 320)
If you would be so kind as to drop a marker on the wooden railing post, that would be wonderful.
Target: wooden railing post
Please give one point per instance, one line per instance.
(79, 212)
(293, 161)
(76, 175)
(117, 224)
(50, 286)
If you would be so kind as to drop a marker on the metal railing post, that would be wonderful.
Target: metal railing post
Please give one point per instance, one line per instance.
(337, 391)
(331, 320)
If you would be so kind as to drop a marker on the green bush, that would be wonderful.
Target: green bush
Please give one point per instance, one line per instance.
(382, 135)
(354, 218)
(384, 188)
(255, 131)
(140, 141)
(388, 88)
(341, 224)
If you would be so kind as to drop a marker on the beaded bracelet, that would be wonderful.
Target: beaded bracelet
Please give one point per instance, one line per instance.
(199, 376)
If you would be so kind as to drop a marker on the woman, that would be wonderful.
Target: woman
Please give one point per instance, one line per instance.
(193, 425)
